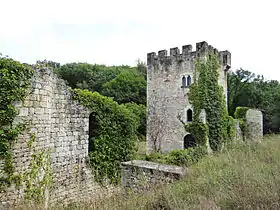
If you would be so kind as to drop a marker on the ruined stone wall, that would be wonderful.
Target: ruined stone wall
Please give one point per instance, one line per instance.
(59, 126)
(138, 175)
(254, 126)
(167, 101)
(238, 132)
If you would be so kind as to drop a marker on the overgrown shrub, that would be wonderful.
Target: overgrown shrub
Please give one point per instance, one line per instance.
(139, 110)
(155, 157)
(186, 157)
(240, 114)
(114, 134)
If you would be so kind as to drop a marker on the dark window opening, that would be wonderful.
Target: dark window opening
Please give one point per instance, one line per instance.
(225, 60)
(189, 115)
(184, 82)
(93, 123)
(189, 81)
(189, 141)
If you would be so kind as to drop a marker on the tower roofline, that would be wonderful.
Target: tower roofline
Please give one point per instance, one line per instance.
(201, 49)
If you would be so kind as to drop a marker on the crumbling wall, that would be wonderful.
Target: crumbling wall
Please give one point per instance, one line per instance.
(58, 126)
(138, 175)
(254, 125)
(238, 132)
(167, 99)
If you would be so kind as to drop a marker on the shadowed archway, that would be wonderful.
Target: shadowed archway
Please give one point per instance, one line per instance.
(189, 141)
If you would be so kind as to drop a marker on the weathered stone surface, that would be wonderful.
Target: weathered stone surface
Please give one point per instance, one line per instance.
(167, 97)
(138, 175)
(238, 132)
(254, 126)
(60, 125)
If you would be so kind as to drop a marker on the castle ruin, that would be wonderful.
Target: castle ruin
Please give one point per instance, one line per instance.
(168, 83)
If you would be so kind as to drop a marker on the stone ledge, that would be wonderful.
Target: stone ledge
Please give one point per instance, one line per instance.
(156, 166)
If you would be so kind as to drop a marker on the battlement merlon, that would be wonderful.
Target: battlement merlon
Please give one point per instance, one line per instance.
(225, 59)
(201, 49)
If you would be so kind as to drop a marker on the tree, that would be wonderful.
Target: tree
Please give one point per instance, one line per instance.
(250, 90)
(128, 86)
(142, 68)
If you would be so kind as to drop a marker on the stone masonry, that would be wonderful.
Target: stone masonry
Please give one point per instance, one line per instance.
(168, 81)
(139, 175)
(254, 126)
(60, 125)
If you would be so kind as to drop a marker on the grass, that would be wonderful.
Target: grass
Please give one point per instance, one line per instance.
(243, 176)
(141, 148)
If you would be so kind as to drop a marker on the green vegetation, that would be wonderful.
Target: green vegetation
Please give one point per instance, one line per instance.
(112, 134)
(140, 116)
(14, 82)
(206, 93)
(185, 158)
(240, 114)
(126, 85)
(249, 90)
(242, 176)
(39, 177)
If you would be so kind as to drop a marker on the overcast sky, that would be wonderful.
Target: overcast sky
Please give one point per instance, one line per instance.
(115, 32)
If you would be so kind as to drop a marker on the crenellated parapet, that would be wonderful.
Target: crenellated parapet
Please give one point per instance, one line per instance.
(202, 48)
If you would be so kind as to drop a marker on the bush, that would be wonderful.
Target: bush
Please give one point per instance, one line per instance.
(240, 112)
(186, 157)
(139, 110)
(155, 157)
(113, 135)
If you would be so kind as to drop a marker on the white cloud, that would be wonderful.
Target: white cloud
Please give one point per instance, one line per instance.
(119, 32)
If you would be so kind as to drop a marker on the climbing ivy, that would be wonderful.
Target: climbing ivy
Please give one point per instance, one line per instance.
(113, 135)
(205, 93)
(38, 178)
(199, 131)
(14, 82)
(240, 115)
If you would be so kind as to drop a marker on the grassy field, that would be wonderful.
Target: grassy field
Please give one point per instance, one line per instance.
(241, 177)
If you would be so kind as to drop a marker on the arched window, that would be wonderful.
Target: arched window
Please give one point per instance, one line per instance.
(189, 81)
(189, 115)
(189, 141)
(184, 82)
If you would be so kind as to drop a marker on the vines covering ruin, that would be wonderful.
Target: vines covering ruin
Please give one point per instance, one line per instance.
(205, 93)
(14, 83)
(113, 135)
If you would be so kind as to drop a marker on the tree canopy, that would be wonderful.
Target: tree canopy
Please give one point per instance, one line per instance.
(250, 90)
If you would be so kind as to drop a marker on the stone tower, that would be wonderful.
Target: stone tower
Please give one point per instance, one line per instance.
(168, 82)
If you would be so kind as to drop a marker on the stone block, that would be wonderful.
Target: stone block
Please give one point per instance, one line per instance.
(23, 112)
(254, 125)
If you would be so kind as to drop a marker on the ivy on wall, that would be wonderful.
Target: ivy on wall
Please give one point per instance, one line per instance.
(113, 134)
(14, 82)
(240, 115)
(205, 93)
(38, 178)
